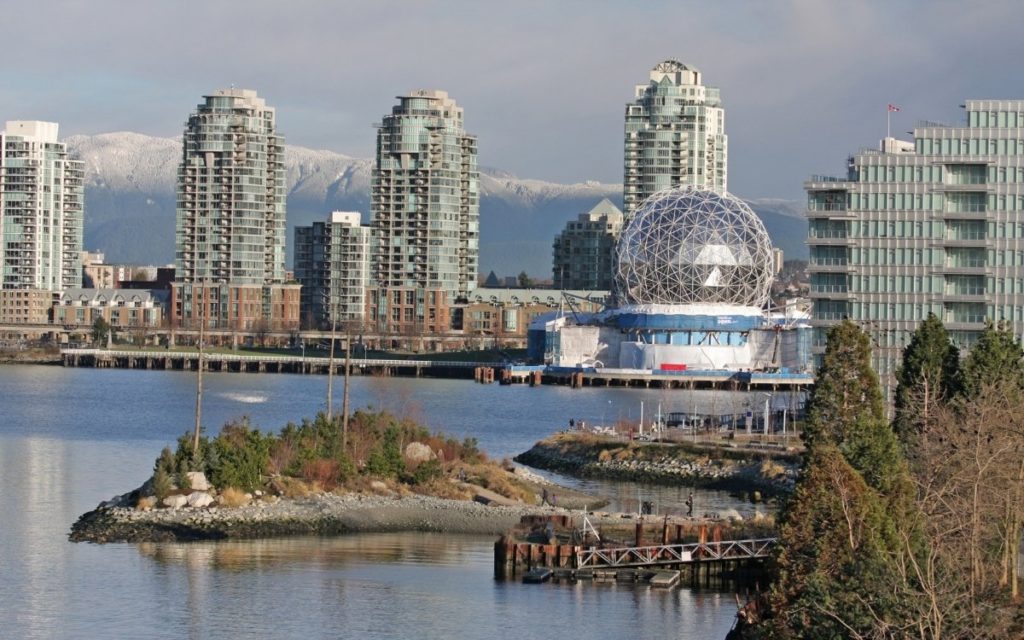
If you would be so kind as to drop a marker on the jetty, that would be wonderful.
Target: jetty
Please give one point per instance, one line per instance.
(583, 555)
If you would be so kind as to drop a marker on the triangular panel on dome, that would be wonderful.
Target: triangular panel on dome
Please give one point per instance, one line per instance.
(718, 254)
(714, 278)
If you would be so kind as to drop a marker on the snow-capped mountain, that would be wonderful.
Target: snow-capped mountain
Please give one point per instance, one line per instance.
(130, 182)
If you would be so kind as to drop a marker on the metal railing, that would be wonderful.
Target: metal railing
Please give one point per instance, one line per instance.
(675, 553)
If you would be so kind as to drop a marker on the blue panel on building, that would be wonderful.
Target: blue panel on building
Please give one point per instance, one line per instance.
(654, 322)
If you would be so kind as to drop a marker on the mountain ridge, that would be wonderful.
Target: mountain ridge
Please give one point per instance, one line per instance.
(130, 195)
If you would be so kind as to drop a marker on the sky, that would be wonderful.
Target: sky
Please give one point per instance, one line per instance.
(544, 84)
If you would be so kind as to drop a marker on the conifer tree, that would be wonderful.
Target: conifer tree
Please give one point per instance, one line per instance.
(995, 359)
(852, 515)
(845, 409)
(927, 377)
(845, 388)
(835, 569)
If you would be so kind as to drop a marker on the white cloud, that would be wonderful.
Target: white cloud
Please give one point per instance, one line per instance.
(544, 85)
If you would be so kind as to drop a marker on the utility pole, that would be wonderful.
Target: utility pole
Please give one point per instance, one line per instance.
(344, 397)
(199, 372)
(330, 364)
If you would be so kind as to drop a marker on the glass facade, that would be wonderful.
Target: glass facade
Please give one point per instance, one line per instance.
(930, 226)
(675, 135)
(231, 193)
(41, 209)
(425, 200)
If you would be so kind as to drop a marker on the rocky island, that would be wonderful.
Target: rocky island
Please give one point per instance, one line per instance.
(383, 474)
(707, 466)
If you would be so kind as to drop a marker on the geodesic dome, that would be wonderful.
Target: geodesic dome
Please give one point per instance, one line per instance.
(691, 246)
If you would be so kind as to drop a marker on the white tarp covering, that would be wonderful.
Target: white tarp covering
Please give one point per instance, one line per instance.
(695, 357)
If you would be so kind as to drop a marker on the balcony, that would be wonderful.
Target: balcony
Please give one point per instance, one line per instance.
(831, 292)
(969, 212)
(964, 297)
(830, 240)
(962, 240)
(965, 267)
(965, 187)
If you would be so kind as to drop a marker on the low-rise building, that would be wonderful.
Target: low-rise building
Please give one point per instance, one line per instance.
(407, 310)
(25, 306)
(503, 316)
(241, 307)
(121, 308)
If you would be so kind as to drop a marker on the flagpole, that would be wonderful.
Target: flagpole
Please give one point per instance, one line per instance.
(888, 119)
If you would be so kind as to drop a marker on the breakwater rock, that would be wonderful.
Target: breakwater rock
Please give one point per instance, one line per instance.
(318, 514)
(697, 465)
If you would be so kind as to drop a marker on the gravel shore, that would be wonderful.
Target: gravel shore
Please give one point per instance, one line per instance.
(320, 514)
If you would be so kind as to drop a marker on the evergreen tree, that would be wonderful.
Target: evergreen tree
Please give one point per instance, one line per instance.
(835, 569)
(995, 359)
(845, 388)
(927, 377)
(845, 410)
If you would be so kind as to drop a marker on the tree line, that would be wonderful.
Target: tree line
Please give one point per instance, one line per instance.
(909, 528)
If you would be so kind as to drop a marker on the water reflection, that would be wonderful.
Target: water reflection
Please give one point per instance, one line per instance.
(58, 459)
(313, 552)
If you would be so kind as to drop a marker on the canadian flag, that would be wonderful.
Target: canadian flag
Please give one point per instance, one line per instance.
(893, 107)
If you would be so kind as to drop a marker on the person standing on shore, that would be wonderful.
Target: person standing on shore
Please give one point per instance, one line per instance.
(689, 505)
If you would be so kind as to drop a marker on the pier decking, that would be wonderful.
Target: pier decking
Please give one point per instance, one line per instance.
(484, 372)
(262, 363)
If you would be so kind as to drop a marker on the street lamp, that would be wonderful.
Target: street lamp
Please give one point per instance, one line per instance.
(767, 400)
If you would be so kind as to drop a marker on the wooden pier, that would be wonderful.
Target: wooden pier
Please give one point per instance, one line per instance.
(483, 372)
(662, 565)
(253, 363)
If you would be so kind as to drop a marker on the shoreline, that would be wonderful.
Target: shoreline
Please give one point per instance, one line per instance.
(318, 514)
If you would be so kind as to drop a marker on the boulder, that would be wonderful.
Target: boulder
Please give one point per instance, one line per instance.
(418, 452)
(146, 503)
(730, 514)
(199, 499)
(175, 502)
(197, 481)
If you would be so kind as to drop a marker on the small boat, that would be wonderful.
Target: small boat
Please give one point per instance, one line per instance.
(537, 575)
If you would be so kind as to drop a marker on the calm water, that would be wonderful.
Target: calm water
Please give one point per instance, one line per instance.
(72, 437)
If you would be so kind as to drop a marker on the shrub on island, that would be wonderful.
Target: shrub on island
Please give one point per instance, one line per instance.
(319, 455)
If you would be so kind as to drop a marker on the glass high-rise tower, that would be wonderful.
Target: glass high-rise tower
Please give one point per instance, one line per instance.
(584, 252)
(332, 263)
(41, 209)
(231, 216)
(675, 135)
(935, 225)
(425, 211)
